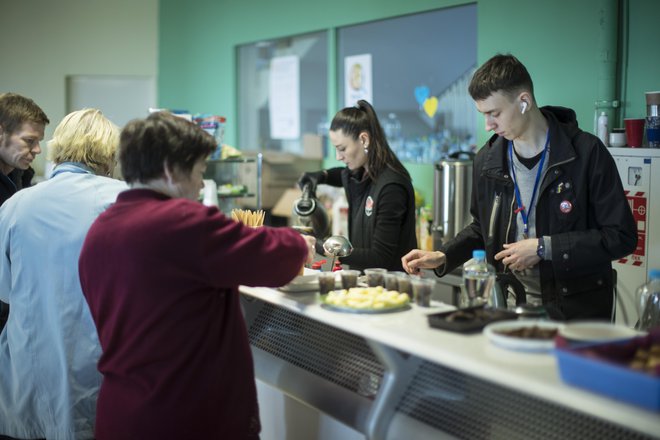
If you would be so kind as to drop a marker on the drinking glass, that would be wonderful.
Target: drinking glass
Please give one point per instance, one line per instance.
(422, 289)
(375, 276)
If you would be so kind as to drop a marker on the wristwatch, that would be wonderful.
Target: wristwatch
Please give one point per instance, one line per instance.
(540, 249)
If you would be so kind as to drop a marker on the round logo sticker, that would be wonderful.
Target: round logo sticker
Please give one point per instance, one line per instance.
(369, 206)
(565, 206)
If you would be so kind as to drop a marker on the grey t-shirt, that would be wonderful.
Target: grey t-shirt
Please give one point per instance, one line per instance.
(525, 178)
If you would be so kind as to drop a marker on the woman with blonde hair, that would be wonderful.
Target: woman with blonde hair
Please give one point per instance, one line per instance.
(49, 348)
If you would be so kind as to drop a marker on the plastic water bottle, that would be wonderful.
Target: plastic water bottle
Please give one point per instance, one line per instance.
(648, 302)
(478, 280)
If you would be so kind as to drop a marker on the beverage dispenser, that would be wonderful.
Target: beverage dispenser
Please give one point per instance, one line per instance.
(452, 187)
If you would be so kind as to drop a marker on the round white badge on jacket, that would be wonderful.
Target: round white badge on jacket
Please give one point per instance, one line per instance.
(369, 206)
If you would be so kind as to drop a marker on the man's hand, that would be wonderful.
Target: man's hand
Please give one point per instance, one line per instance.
(418, 259)
(520, 255)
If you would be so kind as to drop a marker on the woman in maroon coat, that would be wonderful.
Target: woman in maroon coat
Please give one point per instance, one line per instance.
(160, 273)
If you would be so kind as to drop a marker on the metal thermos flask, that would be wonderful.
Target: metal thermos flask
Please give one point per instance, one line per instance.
(452, 187)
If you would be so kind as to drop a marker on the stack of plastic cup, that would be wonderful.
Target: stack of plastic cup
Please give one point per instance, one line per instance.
(653, 119)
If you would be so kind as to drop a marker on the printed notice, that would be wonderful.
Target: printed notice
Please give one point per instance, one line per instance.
(284, 97)
(357, 79)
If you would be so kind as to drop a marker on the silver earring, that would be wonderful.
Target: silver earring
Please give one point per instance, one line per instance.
(366, 151)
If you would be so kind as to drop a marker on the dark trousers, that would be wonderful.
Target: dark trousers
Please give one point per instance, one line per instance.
(4, 437)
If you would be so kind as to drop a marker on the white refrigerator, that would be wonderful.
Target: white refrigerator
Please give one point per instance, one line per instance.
(639, 169)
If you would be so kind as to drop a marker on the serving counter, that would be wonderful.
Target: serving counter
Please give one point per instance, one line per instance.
(391, 376)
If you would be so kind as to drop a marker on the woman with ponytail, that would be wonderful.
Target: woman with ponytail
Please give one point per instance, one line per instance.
(381, 200)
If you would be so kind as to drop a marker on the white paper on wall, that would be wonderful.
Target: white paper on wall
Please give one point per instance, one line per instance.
(357, 79)
(284, 97)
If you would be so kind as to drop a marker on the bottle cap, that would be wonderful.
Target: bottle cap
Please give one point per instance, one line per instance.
(479, 254)
(654, 274)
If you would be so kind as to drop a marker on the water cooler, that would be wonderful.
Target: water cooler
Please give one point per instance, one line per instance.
(639, 169)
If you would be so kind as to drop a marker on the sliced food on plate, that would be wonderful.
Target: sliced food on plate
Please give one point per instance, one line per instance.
(367, 299)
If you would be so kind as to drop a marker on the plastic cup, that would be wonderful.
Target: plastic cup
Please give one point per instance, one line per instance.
(326, 282)
(653, 103)
(375, 276)
(634, 131)
(391, 281)
(349, 278)
(404, 282)
(653, 131)
(422, 290)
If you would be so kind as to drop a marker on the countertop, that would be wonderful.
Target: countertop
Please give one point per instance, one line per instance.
(408, 331)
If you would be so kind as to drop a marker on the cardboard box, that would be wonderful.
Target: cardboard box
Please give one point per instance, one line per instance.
(284, 206)
(312, 146)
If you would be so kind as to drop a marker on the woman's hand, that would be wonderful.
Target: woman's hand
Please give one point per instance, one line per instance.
(418, 259)
(311, 250)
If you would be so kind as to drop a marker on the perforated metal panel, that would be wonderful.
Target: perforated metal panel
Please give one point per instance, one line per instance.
(443, 398)
(471, 408)
(337, 356)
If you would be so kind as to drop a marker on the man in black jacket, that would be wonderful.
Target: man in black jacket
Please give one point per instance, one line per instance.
(548, 205)
(22, 125)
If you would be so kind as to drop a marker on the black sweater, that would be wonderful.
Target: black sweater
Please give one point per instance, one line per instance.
(381, 219)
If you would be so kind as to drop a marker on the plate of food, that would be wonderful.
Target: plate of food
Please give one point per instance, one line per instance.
(365, 300)
(524, 335)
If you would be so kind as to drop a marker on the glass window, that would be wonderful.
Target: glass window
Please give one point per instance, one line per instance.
(255, 73)
(421, 66)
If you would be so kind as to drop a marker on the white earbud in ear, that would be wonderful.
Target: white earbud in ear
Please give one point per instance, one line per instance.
(523, 107)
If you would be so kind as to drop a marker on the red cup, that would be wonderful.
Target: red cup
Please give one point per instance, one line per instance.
(634, 131)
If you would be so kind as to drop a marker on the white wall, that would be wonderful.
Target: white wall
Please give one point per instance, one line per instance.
(43, 41)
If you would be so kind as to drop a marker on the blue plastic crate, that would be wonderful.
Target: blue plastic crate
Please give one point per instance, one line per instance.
(586, 367)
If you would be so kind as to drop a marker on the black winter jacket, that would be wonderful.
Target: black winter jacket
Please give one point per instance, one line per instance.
(585, 239)
(381, 220)
(14, 181)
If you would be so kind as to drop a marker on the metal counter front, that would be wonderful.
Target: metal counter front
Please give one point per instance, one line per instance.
(391, 376)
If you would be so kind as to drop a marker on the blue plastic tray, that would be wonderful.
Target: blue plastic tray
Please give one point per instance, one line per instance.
(580, 367)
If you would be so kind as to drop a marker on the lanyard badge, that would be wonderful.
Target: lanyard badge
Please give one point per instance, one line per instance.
(524, 213)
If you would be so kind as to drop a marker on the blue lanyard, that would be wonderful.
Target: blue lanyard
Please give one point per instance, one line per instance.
(521, 208)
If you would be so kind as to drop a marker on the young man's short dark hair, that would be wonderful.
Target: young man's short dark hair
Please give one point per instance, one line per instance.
(501, 73)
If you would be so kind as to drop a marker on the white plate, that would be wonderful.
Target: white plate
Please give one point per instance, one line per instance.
(596, 332)
(306, 283)
(302, 283)
(517, 343)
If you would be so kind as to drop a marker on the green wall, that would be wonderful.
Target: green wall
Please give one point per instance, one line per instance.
(558, 40)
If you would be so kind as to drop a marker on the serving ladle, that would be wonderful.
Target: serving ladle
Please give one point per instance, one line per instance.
(337, 246)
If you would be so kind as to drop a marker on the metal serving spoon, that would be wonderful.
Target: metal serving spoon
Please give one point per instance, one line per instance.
(337, 246)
